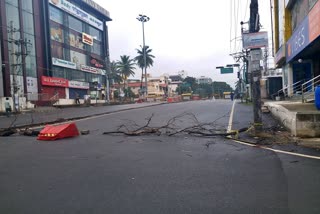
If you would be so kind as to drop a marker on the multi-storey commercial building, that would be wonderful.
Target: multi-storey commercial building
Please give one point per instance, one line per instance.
(53, 48)
(297, 40)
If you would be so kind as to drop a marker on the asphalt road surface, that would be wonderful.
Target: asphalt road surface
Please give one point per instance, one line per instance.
(98, 173)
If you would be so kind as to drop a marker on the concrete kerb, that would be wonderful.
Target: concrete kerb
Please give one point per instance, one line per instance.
(286, 117)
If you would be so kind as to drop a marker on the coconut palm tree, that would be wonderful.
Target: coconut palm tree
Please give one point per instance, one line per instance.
(126, 66)
(115, 74)
(140, 59)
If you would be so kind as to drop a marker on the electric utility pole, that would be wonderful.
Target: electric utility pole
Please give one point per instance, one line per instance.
(15, 63)
(14, 91)
(254, 67)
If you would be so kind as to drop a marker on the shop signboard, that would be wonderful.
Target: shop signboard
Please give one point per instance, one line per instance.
(87, 39)
(96, 63)
(299, 40)
(77, 12)
(255, 40)
(63, 63)
(78, 84)
(314, 24)
(92, 70)
(54, 81)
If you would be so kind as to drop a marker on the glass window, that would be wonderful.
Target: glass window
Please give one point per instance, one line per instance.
(28, 22)
(57, 51)
(31, 66)
(31, 47)
(78, 58)
(58, 72)
(75, 24)
(78, 75)
(96, 48)
(56, 15)
(56, 32)
(97, 34)
(12, 16)
(13, 2)
(27, 5)
(75, 40)
(90, 77)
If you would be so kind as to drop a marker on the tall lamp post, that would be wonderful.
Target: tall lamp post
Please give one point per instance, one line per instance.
(143, 19)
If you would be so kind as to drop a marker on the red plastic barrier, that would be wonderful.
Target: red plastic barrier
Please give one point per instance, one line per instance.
(57, 132)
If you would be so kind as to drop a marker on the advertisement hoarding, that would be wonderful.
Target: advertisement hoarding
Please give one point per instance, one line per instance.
(255, 40)
(77, 12)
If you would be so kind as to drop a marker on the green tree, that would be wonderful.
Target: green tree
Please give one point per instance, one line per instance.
(115, 73)
(220, 87)
(183, 88)
(126, 67)
(140, 59)
(204, 90)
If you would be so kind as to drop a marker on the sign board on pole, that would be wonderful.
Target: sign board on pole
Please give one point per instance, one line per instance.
(226, 70)
(255, 40)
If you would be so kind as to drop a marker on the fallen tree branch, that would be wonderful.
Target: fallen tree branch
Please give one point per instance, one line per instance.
(173, 127)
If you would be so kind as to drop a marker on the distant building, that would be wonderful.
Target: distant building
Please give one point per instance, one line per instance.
(174, 82)
(176, 78)
(204, 80)
(183, 74)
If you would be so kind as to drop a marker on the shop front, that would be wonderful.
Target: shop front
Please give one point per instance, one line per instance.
(78, 88)
(54, 86)
(302, 48)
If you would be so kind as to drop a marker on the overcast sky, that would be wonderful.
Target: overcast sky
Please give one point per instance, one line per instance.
(183, 34)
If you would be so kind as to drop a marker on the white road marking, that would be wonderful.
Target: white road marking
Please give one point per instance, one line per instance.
(229, 129)
(231, 117)
(278, 151)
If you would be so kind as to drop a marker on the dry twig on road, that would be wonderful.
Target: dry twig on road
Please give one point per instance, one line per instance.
(175, 126)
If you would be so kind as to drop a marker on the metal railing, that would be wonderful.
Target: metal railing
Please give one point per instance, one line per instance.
(307, 88)
(285, 92)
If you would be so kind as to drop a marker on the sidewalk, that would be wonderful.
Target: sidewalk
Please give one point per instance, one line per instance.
(274, 132)
(49, 115)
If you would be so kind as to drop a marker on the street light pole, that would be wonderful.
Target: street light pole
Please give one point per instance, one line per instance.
(143, 19)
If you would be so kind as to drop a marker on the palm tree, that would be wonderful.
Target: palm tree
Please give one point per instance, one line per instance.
(140, 59)
(126, 66)
(115, 74)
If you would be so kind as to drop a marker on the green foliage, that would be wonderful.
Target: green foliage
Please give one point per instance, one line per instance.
(220, 87)
(126, 66)
(116, 94)
(129, 93)
(140, 57)
(204, 90)
(115, 73)
(183, 88)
